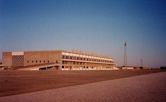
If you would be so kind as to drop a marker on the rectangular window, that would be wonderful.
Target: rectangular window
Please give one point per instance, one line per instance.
(63, 56)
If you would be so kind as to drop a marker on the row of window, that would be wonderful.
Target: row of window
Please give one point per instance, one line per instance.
(85, 67)
(71, 67)
(74, 63)
(84, 59)
(67, 62)
(38, 61)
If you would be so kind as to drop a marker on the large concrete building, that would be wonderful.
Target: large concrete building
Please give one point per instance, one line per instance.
(58, 59)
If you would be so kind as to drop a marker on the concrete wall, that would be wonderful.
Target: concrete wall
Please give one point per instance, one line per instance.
(7, 59)
(17, 60)
(41, 57)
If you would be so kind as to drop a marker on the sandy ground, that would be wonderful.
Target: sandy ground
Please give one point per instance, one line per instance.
(144, 88)
(18, 82)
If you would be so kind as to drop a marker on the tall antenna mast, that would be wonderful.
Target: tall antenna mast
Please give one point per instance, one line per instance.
(125, 54)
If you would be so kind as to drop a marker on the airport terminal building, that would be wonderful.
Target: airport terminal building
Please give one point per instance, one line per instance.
(58, 59)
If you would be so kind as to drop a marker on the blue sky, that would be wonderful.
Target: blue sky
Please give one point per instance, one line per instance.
(100, 26)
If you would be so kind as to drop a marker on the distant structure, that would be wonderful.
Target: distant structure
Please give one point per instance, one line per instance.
(163, 67)
(141, 62)
(125, 54)
(58, 59)
(125, 66)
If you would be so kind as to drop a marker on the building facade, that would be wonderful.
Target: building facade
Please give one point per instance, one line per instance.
(58, 59)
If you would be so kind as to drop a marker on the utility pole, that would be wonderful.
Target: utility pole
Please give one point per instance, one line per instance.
(125, 54)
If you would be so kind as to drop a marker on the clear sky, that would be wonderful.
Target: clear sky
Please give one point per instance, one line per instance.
(100, 26)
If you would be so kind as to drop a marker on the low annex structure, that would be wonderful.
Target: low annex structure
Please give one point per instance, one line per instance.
(58, 59)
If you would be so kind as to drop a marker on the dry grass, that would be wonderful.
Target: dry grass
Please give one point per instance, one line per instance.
(17, 82)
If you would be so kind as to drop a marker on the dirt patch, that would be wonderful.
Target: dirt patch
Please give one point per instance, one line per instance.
(17, 82)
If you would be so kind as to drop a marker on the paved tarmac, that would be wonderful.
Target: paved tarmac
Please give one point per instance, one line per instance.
(143, 88)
